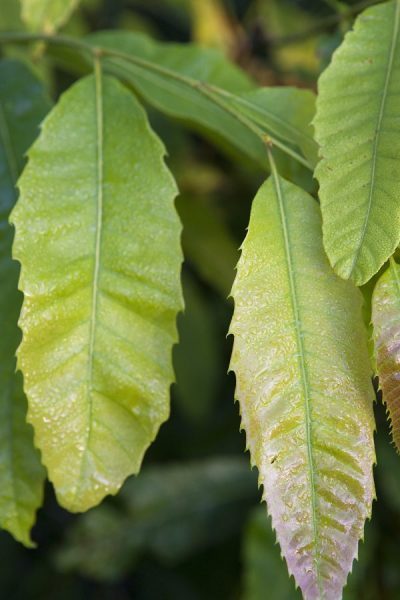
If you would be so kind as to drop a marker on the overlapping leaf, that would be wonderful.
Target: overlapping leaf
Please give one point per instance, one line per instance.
(98, 239)
(286, 112)
(303, 382)
(175, 97)
(386, 324)
(23, 104)
(47, 15)
(175, 79)
(358, 129)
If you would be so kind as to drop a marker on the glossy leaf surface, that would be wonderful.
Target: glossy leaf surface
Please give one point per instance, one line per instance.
(358, 129)
(23, 104)
(386, 328)
(97, 235)
(47, 15)
(303, 382)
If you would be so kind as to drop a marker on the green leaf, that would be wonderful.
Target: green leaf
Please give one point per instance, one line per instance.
(200, 87)
(23, 104)
(286, 112)
(303, 382)
(176, 98)
(357, 127)
(97, 235)
(165, 513)
(386, 328)
(47, 15)
(264, 570)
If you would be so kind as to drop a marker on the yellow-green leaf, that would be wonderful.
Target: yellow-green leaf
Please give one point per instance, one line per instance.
(386, 327)
(47, 15)
(23, 104)
(98, 238)
(358, 128)
(303, 382)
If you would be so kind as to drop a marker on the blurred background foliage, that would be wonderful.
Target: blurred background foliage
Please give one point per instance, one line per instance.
(191, 526)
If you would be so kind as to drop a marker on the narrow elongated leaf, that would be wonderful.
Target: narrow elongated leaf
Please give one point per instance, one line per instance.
(47, 15)
(176, 98)
(303, 382)
(358, 128)
(98, 239)
(179, 79)
(386, 327)
(23, 104)
(286, 112)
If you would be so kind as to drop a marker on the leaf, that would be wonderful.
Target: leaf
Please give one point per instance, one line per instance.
(358, 129)
(195, 85)
(303, 382)
(286, 112)
(47, 15)
(386, 333)
(98, 239)
(165, 513)
(264, 568)
(176, 98)
(23, 104)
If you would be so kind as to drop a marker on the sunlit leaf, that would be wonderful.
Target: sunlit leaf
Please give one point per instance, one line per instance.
(303, 382)
(23, 104)
(98, 239)
(358, 129)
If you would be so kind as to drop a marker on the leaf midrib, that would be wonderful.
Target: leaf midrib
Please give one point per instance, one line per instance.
(302, 363)
(98, 81)
(385, 91)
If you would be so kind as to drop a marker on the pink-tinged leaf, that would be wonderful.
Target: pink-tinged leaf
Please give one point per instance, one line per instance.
(304, 385)
(386, 323)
